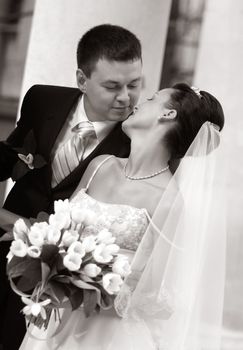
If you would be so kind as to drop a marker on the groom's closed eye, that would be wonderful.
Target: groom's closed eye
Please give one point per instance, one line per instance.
(111, 86)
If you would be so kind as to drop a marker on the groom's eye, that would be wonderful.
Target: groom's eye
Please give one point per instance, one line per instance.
(111, 87)
(133, 86)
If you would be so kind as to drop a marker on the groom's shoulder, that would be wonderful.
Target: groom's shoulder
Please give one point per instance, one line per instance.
(47, 90)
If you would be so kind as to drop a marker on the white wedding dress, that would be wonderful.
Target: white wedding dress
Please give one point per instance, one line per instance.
(128, 224)
(174, 297)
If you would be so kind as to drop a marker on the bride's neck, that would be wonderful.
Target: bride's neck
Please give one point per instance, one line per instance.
(147, 158)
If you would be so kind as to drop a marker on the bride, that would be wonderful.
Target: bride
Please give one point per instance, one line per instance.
(168, 225)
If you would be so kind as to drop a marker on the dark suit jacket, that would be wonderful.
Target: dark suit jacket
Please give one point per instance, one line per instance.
(44, 111)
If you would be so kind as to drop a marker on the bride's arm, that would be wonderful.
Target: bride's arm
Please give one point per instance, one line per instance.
(7, 219)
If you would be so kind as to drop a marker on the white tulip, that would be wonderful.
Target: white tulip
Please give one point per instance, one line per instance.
(34, 251)
(104, 253)
(62, 206)
(78, 214)
(89, 243)
(112, 282)
(38, 233)
(20, 230)
(121, 266)
(69, 236)
(9, 256)
(53, 235)
(61, 220)
(105, 236)
(90, 217)
(91, 270)
(72, 261)
(18, 248)
(113, 248)
(77, 248)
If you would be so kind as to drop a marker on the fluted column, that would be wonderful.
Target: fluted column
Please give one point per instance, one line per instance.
(58, 25)
(220, 71)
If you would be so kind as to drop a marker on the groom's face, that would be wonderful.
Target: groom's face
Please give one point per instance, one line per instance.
(112, 90)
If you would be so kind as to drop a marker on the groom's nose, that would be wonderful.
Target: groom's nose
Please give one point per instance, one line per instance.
(123, 95)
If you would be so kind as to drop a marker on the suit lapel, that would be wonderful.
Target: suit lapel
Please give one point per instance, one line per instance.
(54, 121)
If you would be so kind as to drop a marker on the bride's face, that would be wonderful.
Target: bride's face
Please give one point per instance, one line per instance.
(146, 115)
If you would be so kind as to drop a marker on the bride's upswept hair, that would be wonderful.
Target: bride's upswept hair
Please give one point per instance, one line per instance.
(193, 108)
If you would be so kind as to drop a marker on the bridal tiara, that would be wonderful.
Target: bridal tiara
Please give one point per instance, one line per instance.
(197, 91)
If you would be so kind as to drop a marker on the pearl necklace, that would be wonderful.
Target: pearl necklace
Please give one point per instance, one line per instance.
(146, 176)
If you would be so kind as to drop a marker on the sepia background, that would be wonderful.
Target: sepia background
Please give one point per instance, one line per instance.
(196, 41)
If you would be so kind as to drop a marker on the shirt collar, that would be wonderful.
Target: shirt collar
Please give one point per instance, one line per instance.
(102, 128)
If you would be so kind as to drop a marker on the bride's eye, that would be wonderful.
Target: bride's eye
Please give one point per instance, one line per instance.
(152, 97)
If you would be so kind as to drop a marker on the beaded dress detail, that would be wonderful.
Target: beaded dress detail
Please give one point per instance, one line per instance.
(126, 223)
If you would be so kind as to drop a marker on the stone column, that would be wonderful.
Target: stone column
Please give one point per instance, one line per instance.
(220, 71)
(58, 25)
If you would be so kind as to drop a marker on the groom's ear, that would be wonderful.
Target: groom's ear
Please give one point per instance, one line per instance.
(81, 80)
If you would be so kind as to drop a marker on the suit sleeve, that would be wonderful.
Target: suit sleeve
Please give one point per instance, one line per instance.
(8, 156)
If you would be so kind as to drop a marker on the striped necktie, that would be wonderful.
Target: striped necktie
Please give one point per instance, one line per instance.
(68, 156)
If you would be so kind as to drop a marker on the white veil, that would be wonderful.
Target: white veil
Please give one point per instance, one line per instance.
(174, 298)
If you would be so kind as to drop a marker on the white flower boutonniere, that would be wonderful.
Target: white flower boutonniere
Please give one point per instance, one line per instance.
(28, 160)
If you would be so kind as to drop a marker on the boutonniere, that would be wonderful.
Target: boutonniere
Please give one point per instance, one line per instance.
(28, 159)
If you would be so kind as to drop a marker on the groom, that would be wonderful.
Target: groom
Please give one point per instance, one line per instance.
(60, 131)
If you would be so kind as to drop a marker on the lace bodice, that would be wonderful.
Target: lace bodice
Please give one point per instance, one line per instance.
(126, 223)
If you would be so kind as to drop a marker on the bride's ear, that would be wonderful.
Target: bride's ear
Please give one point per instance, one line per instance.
(168, 114)
(81, 80)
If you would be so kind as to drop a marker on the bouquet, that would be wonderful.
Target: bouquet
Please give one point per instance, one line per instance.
(53, 263)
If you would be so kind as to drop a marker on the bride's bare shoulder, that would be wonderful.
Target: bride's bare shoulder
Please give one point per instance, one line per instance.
(102, 158)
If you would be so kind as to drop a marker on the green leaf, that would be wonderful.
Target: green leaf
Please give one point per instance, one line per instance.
(55, 291)
(17, 266)
(27, 283)
(76, 298)
(45, 271)
(61, 278)
(49, 253)
(90, 301)
(106, 299)
(28, 272)
(59, 264)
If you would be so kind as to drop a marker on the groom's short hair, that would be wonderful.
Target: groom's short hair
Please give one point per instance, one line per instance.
(107, 41)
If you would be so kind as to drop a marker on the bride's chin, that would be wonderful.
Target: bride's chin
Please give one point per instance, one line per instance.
(125, 127)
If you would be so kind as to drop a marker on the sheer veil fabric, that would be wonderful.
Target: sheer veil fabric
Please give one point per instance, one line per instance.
(174, 298)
